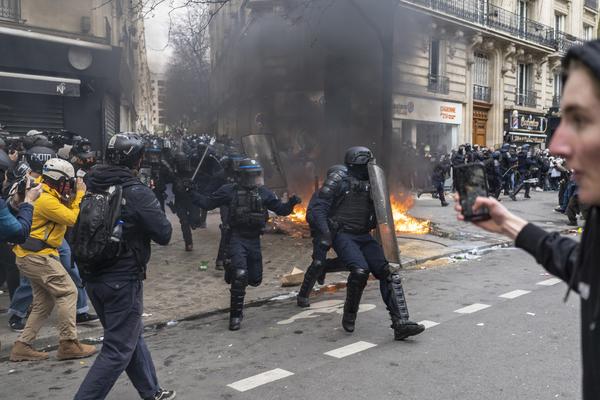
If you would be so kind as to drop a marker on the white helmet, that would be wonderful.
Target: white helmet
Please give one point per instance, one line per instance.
(57, 169)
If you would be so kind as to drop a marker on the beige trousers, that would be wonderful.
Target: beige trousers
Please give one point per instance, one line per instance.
(51, 286)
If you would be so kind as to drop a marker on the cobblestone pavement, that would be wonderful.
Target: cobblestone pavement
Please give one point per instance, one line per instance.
(177, 289)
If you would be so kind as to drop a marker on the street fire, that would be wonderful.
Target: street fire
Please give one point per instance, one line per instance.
(404, 222)
(299, 214)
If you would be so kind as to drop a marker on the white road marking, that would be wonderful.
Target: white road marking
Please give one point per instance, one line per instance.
(549, 282)
(472, 308)
(429, 324)
(350, 349)
(514, 294)
(260, 379)
(324, 307)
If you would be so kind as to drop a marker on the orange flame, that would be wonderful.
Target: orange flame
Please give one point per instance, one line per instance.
(299, 214)
(403, 222)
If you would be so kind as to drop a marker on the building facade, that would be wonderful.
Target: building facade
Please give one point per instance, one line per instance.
(75, 65)
(159, 119)
(468, 71)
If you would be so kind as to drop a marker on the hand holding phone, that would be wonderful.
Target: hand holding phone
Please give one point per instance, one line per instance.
(471, 182)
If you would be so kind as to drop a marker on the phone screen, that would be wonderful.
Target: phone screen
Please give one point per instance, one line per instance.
(472, 183)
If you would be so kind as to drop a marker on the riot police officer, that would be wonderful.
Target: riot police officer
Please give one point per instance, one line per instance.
(321, 244)
(345, 215)
(186, 211)
(249, 202)
(525, 165)
(440, 170)
(507, 163)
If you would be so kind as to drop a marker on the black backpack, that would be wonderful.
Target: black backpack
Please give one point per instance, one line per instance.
(99, 212)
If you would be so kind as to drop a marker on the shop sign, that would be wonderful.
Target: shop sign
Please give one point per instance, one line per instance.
(526, 122)
(427, 110)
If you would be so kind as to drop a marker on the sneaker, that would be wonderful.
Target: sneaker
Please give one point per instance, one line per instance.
(72, 349)
(24, 352)
(163, 394)
(87, 318)
(16, 323)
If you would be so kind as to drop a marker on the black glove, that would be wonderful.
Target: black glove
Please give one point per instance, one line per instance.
(294, 200)
(325, 240)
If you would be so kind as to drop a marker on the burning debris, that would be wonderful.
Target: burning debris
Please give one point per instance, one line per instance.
(295, 224)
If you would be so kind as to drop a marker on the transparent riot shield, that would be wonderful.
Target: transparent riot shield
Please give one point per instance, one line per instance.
(386, 231)
(262, 148)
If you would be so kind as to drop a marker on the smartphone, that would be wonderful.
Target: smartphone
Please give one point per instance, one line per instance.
(471, 182)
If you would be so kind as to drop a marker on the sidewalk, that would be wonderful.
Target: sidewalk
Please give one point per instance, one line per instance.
(177, 289)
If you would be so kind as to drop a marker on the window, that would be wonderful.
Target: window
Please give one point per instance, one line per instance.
(522, 13)
(525, 94)
(559, 22)
(588, 32)
(434, 58)
(480, 70)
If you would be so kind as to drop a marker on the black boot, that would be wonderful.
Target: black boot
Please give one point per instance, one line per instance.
(396, 304)
(357, 280)
(227, 269)
(238, 291)
(310, 277)
(443, 199)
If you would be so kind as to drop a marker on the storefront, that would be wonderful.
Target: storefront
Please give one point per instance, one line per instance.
(525, 127)
(428, 122)
(56, 84)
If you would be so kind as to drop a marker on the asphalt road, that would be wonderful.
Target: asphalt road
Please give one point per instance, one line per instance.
(524, 345)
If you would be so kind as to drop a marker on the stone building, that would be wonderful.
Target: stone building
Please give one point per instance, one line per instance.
(76, 65)
(159, 119)
(319, 78)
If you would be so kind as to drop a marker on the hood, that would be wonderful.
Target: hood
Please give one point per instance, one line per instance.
(101, 177)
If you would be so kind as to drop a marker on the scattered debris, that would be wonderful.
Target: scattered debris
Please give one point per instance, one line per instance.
(146, 315)
(290, 295)
(12, 371)
(172, 323)
(481, 324)
(532, 314)
(293, 278)
(98, 339)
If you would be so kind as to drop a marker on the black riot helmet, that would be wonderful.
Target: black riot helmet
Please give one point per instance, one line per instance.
(496, 155)
(82, 155)
(358, 155)
(36, 156)
(505, 148)
(125, 149)
(526, 148)
(250, 173)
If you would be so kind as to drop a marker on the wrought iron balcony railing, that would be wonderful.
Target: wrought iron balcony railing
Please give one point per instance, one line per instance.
(488, 15)
(556, 101)
(564, 41)
(438, 84)
(10, 10)
(593, 4)
(526, 98)
(482, 93)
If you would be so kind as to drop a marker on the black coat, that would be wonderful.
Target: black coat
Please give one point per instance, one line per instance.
(144, 221)
(579, 266)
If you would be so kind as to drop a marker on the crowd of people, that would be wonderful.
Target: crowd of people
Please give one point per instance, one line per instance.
(510, 170)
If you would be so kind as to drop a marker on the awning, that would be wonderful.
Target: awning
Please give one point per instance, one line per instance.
(539, 135)
(39, 84)
(53, 38)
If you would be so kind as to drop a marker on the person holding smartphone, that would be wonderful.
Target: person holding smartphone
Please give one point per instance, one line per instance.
(577, 139)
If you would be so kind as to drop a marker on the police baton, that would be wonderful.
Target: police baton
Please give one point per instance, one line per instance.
(210, 143)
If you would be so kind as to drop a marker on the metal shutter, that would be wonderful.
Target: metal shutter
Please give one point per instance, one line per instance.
(21, 112)
(111, 117)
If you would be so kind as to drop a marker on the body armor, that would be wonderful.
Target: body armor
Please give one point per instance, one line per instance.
(354, 212)
(248, 215)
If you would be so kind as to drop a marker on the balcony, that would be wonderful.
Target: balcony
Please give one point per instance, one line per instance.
(491, 16)
(526, 98)
(556, 101)
(10, 10)
(564, 41)
(438, 84)
(593, 4)
(482, 93)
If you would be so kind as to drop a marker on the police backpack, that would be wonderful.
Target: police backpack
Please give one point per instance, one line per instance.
(99, 213)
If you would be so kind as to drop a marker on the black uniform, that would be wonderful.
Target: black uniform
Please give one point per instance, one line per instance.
(248, 214)
(344, 210)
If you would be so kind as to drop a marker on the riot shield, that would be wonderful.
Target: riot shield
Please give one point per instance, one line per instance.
(386, 231)
(262, 148)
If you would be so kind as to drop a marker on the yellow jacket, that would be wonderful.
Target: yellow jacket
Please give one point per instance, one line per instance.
(51, 218)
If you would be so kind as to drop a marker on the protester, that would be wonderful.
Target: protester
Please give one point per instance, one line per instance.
(37, 259)
(577, 139)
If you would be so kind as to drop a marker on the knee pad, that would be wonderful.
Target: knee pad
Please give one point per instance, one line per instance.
(240, 277)
(359, 275)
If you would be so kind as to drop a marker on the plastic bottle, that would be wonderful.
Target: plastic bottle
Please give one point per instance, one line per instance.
(117, 232)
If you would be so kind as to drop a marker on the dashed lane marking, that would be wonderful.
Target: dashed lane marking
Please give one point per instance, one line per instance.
(549, 282)
(429, 324)
(514, 294)
(350, 349)
(260, 379)
(472, 308)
